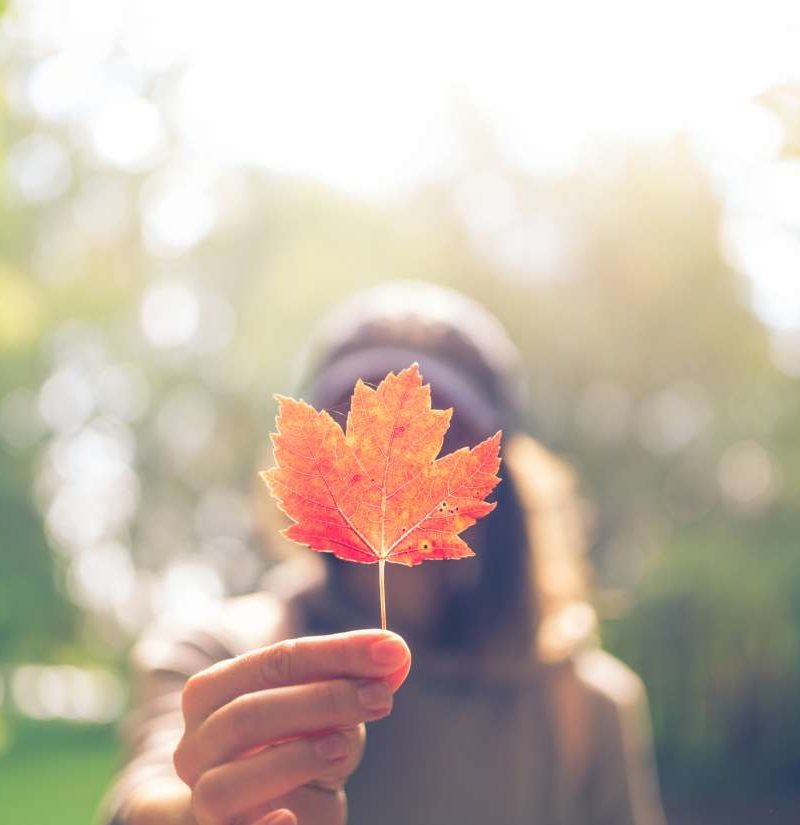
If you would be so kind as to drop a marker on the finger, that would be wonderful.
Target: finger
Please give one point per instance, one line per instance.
(225, 792)
(256, 719)
(310, 804)
(359, 653)
(335, 778)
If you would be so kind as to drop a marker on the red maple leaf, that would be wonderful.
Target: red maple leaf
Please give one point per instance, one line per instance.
(378, 493)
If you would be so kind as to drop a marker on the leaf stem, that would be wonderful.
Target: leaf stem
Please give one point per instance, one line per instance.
(381, 577)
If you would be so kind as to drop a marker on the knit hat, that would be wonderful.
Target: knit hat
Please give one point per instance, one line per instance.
(463, 352)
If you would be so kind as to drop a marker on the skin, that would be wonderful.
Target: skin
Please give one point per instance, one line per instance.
(272, 736)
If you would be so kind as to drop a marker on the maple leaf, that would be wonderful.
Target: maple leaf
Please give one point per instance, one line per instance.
(378, 493)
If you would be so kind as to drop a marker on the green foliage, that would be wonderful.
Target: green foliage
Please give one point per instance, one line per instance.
(35, 618)
(73, 763)
(717, 640)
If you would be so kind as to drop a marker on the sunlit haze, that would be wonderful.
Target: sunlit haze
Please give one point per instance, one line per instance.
(369, 100)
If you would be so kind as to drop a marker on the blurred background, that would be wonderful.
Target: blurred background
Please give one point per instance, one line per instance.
(186, 187)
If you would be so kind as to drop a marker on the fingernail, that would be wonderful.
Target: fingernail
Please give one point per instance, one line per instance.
(334, 746)
(375, 696)
(388, 652)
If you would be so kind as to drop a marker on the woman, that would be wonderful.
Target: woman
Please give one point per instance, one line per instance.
(512, 713)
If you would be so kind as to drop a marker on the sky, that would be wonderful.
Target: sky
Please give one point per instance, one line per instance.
(363, 96)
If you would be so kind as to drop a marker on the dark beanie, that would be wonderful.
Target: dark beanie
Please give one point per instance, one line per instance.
(462, 350)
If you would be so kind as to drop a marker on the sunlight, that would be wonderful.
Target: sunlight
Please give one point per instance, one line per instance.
(375, 103)
(365, 101)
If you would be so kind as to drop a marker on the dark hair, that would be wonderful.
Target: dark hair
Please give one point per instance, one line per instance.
(422, 321)
(502, 593)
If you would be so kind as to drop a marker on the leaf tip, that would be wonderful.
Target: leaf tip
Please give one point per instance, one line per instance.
(267, 477)
(412, 370)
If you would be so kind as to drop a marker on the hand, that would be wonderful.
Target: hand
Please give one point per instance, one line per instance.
(272, 736)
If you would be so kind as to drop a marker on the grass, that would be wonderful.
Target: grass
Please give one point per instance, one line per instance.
(55, 772)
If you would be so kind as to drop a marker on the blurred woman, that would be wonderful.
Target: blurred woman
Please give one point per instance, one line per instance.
(511, 715)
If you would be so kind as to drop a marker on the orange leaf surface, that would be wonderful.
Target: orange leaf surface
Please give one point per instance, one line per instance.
(378, 493)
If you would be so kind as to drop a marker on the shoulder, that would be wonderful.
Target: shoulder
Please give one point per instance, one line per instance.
(598, 703)
(606, 680)
(615, 711)
(621, 770)
(595, 684)
(615, 698)
(604, 733)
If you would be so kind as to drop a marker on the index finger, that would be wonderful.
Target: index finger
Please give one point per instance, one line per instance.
(367, 654)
